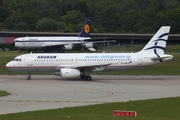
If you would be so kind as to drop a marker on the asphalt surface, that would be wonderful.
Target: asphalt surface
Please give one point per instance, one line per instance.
(48, 91)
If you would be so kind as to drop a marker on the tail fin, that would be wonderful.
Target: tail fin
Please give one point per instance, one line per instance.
(157, 44)
(85, 29)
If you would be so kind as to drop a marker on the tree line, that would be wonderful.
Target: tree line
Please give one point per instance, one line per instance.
(108, 16)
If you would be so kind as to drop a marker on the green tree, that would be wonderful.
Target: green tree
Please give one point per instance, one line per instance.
(122, 16)
(78, 5)
(12, 20)
(22, 27)
(130, 16)
(74, 21)
(38, 7)
(46, 24)
(30, 19)
(170, 18)
(4, 12)
(109, 19)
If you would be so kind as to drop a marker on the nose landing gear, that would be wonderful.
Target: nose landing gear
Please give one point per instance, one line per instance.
(29, 76)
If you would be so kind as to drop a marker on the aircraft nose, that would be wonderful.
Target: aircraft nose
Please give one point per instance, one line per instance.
(8, 65)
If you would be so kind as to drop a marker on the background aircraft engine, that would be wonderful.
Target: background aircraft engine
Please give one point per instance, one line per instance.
(88, 45)
(69, 73)
(68, 47)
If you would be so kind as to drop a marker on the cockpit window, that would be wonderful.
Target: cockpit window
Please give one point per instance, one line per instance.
(16, 59)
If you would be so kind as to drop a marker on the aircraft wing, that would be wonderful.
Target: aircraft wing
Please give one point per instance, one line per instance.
(99, 40)
(52, 45)
(70, 45)
(79, 43)
(89, 66)
(103, 41)
(96, 39)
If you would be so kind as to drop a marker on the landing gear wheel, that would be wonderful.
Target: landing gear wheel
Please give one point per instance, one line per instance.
(88, 78)
(29, 78)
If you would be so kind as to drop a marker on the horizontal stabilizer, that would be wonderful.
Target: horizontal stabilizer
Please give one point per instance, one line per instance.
(162, 57)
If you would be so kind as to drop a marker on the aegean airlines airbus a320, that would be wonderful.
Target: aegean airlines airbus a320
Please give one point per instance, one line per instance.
(71, 65)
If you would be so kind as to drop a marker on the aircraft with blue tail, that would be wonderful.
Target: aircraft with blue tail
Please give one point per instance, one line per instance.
(71, 65)
(60, 43)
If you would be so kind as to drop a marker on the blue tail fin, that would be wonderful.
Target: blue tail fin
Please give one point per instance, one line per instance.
(85, 29)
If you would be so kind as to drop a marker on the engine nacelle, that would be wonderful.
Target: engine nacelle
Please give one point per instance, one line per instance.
(88, 45)
(69, 73)
(68, 47)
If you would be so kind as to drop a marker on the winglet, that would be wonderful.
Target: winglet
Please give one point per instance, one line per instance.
(157, 44)
(85, 29)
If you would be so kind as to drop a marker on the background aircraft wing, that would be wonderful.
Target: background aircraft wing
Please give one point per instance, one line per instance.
(99, 40)
(86, 43)
(96, 39)
(52, 45)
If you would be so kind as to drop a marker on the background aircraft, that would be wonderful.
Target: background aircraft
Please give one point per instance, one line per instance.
(70, 65)
(59, 43)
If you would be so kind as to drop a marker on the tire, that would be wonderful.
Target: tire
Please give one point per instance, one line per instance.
(88, 78)
(28, 78)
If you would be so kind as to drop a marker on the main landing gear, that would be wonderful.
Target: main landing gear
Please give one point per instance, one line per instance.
(87, 77)
(29, 76)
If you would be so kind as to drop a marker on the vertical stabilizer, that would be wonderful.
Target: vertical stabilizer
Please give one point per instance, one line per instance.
(157, 44)
(85, 29)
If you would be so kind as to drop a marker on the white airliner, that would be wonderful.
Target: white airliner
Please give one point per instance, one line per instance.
(59, 43)
(70, 65)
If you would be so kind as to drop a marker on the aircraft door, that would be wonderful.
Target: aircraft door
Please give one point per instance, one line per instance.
(30, 60)
(139, 60)
(23, 43)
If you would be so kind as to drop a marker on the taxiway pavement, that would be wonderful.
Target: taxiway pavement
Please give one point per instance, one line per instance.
(49, 92)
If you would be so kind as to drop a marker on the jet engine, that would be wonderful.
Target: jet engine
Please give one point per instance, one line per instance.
(69, 73)
(88, 45)
(67, 47)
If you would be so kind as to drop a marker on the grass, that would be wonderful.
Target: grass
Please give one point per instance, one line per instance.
(155, 109)
(3, 93)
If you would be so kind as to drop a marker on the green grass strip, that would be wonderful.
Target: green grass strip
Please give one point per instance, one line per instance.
(3, 93)
(154, 109)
